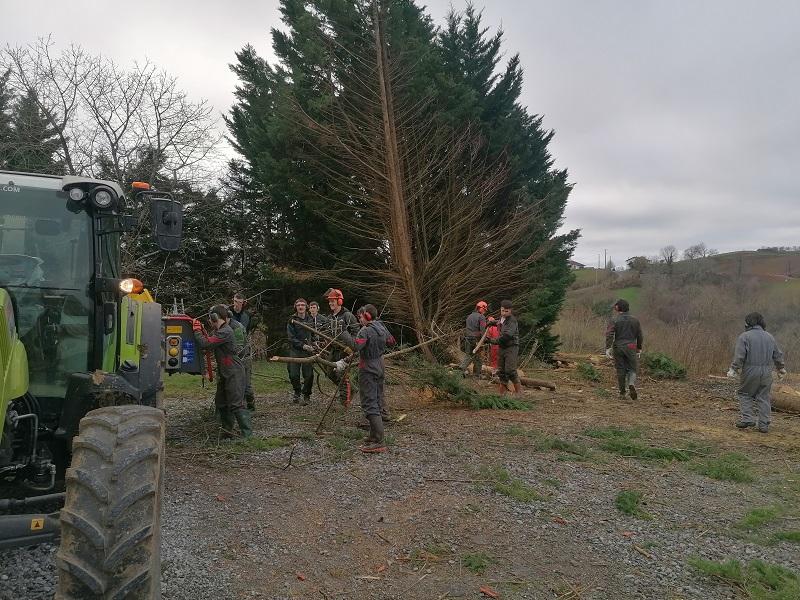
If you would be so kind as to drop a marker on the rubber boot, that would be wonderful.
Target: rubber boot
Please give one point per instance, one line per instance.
(296, 397)
(251, 402)
(517, 389)
(376, 433)
(227, 422)
(306, 400)
(245, 422)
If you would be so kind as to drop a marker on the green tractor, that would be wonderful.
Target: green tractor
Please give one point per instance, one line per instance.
(81, 357)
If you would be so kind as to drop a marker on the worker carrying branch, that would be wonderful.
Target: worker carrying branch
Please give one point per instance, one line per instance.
(474, 329)
(624, 345)
(229, 398)
(371, 342)
(342, 326)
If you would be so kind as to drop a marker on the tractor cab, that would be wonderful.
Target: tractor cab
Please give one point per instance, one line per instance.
(75, 337)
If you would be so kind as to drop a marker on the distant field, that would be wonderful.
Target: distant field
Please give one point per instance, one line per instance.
(773, 266)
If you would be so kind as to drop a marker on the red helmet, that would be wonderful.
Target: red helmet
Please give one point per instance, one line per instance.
(482, 305)
(334, 294)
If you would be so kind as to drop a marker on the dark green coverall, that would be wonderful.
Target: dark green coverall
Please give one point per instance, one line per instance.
(624, 338)
(299, 337)
(246, 354)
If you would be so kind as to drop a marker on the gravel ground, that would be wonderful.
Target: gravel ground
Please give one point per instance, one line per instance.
(338, 524)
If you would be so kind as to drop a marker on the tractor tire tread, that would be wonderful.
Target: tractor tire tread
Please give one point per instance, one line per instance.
(110, 541)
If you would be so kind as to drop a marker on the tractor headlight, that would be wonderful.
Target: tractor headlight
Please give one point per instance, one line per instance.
(103, 197)
(76, 194)
(131, 286)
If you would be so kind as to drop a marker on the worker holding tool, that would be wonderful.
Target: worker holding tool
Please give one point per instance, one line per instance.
(342, 325)
(371, 342)
(301, 342)
(508, 355)
(229, 398)
(473, 332)
(755, 354)
(242, 341)
(624, 345)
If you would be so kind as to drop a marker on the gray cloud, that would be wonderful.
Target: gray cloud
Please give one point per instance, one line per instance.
(677, 120)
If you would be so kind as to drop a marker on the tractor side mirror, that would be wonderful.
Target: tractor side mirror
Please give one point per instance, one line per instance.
(167, 222)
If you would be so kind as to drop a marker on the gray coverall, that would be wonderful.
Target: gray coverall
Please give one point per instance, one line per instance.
(299, 337)
(755, 354)
(371, 342)
(342, 326)
(245, 353)
(229, 398)
(473, 331)
(624, 336)
(508, 357)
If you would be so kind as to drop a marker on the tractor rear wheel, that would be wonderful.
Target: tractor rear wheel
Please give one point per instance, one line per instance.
(110, 524)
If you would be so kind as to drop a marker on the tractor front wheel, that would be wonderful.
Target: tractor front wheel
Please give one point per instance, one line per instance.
(110, 524)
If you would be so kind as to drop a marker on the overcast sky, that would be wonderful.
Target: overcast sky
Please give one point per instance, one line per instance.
(679, 122)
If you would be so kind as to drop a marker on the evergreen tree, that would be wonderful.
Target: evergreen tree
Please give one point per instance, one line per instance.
(33, 141)
(490, 97)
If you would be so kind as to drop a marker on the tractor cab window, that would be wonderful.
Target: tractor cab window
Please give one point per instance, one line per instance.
(46, 266)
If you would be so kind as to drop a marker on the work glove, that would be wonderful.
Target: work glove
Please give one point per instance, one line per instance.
(639, 354)
(781, 374)
(196, 325)
(731, 372)
(609, 353)
(308, 348)
(341, 365)
(491, 321)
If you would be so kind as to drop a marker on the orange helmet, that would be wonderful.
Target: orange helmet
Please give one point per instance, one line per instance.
(334, 294)
(482, 305)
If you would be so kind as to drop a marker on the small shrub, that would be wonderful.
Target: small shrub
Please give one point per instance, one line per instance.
(477, 562)
(629, 501)
(602, 307)
(588, 372)
(731, 466)
(661, 366)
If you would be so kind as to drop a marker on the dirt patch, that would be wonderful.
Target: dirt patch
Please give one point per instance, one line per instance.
(519, 502)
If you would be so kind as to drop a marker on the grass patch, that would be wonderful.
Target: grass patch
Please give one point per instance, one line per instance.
(351, 433)
(788, 536)
(629, 502)
(588, 372)
(339, 444)
(622, 441)
(502, 483)
(252, 444)
(431, 552)
(476, 562)
(758, 580)
(730, 466)
(602, 433)
(550, 443)
(660, 366)
(758, 517)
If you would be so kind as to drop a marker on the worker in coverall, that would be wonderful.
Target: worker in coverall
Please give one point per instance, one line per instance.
(300, 346)
(624, 345)
(473, 332)
(229, 398)
(240, 315)
(245, 353)
(755, 354)
(342, 326)
(371, 342)
(508, 356)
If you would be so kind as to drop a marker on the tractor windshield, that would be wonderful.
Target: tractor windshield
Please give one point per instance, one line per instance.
(46, 266)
